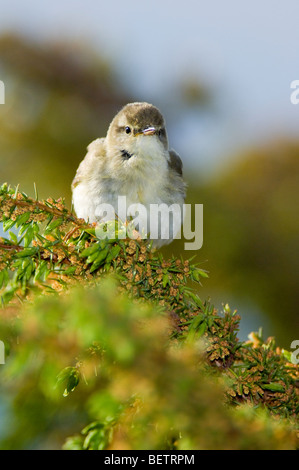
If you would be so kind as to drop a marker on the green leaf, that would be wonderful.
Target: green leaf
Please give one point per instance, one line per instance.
(196, 333)
(29, 270)
(13, 237)
(92, 257)
(90, 250)
(27, 252)
(90, 230)
(69, 270)
(91, 426)
(202, 273)
(8, 224)
(22, 219)
(42, 271)
(165, 280)
(53, 225)
(4, 278)
(197, 300)
(92, 440)
(273, 387)
(201, 330)
(73, 443)
(99, 260)
(196, 321)
(70, 375)
(29, 236)
(114, 252)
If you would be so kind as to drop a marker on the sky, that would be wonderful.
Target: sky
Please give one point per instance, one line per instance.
(246, 52)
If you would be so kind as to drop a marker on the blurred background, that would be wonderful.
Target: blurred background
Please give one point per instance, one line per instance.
(220, 72)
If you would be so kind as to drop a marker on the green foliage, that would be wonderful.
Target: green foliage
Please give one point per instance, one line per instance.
(252, 233)
(53, 248)
(109, 347)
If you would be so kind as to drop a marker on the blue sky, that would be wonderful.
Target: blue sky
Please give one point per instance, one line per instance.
(247, 52)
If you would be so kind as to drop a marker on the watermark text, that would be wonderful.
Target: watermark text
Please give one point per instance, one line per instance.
(155, 222)
(294, 97)
(2, 92)
(295, 354)
(2, 353)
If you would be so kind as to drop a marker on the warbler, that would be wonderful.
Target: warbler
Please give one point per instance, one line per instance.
(133, 161)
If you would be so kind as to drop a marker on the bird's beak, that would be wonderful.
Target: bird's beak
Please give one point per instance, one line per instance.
(147, 131)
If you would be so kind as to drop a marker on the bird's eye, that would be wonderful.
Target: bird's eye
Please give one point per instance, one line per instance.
(128, 130)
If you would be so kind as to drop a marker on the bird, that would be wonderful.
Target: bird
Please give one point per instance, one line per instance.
(135, 162)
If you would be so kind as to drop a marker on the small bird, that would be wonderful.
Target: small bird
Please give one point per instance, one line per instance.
(134, 161)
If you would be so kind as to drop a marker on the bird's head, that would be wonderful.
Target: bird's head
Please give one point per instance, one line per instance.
(137, 136)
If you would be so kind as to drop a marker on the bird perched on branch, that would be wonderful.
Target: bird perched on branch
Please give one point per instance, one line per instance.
(134, 161)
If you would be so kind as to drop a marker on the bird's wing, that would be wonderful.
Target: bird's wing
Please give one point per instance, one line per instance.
(93, 159)
(175, 162)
